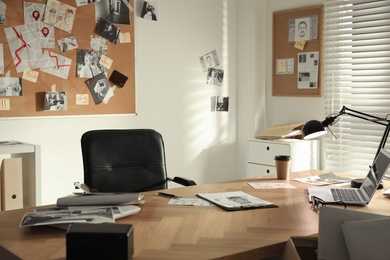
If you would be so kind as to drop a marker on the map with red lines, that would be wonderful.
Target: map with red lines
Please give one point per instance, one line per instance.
(25, 49)
(55, 64)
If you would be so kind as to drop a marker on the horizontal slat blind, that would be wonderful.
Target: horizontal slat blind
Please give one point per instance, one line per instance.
(357, 75)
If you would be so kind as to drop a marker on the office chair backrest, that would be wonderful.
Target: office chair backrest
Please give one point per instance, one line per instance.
(130, 160)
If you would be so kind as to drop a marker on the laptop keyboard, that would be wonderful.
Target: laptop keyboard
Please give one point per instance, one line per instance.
(345, 195)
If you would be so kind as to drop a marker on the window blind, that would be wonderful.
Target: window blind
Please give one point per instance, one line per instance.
(357, 75)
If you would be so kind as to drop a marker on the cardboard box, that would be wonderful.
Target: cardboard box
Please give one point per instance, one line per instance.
(300, 248)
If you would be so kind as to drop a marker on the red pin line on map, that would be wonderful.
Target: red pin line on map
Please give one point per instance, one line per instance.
(45, 31)
(36, 15)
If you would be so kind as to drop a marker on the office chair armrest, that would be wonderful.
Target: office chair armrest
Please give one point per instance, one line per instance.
(183, 181)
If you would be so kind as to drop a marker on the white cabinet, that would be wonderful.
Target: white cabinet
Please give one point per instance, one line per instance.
(261, 154)
(31, 169)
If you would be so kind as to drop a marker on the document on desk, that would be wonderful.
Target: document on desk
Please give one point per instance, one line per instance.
(67, 216)
(328, 178)
(271, 185)
(92, 199)
(236, 200)
(189, 202)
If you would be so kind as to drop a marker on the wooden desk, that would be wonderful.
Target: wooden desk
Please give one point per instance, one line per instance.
(163, 231)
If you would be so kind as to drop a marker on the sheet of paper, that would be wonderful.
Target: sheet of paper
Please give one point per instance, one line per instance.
(324, 179)
(30, 75)
(55, 64)
(189, 202)
(308, 70)
(33, 16)
(93, 215)
(1, 59)
(271, 185)
(3, 12)
(25, 49)
(124, 37)
(60, 15)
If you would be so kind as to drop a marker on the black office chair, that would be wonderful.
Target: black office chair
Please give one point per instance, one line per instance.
(131, 160)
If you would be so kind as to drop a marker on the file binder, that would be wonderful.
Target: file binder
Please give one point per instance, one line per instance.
(11, 184)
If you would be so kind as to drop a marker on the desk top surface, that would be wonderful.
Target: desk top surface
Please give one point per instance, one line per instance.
(163, 231)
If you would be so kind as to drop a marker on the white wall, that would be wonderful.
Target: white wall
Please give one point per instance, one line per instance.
(172, 97)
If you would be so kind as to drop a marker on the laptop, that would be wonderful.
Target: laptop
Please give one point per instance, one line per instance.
(356, 196)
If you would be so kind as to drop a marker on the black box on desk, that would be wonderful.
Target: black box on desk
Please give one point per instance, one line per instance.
(99, 241)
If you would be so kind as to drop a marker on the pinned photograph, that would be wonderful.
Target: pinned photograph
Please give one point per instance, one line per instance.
(219, 103)
(1, 59)
(86, 2)
(108, 31)
(3, 12)
(114, 11)
(10, 86)
(55, 101)
(99, 87)
(67, 43)
(210, 60)
(88, 65)
(214, 77)
(149, 11)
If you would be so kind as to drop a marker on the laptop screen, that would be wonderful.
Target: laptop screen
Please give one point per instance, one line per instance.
(376, 173)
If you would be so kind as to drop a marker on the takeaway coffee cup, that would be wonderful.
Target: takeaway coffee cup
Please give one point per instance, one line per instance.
(282, 163)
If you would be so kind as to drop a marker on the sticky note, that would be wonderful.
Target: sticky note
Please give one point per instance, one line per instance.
(4, 104)
(300, 44)
(105, 61)
(30, 75)
(82, 99)
(124, 37)
(281, 66)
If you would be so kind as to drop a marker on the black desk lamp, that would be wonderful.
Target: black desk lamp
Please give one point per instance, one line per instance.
(314, 128)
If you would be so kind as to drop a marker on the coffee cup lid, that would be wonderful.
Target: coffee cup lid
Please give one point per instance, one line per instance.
(283, 157)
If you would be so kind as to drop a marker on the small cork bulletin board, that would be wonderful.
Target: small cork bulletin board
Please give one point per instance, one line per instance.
(297, 52)
(74, 31)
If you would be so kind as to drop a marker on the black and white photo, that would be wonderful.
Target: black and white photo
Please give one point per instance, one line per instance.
(10, 86)
(149, 11)
(88, 63)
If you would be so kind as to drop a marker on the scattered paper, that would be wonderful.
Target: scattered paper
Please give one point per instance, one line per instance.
(271, 185)
(189, 202)
(64, 216)
(324, 179)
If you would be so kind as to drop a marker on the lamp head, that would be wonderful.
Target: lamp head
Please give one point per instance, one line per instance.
(313, 129)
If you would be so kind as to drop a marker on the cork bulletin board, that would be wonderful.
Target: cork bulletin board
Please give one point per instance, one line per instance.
(297, 52)
(119, 56)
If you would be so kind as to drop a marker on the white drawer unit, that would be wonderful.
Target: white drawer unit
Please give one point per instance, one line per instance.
(261, 155)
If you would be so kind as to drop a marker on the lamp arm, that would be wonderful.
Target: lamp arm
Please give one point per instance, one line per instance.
(384, 139)
(371, 118)
(364, 116)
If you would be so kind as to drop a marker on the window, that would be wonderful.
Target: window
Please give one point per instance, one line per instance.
(357, 75)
